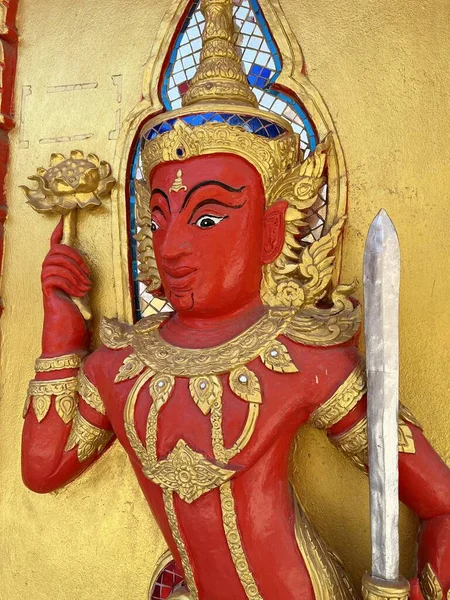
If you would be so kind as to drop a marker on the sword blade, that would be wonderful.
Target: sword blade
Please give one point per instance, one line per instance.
(381, 304)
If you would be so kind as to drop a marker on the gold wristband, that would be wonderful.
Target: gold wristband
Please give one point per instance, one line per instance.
(56, 363)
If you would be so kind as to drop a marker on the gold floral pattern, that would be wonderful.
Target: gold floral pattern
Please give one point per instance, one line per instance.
(187, 472)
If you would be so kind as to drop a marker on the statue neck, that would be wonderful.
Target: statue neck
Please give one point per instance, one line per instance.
(196, 332)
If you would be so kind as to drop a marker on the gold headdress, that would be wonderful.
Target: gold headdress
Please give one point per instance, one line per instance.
(220, 114)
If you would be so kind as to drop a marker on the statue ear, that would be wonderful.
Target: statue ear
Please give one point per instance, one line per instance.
(274, 231)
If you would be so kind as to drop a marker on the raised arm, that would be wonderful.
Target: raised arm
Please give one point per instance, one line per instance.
(424, 479)
(65, 427)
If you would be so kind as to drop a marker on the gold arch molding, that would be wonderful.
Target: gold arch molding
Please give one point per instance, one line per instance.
(291, 78)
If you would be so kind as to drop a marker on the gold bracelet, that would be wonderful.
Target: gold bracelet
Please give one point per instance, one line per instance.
(41, 392)
(56, 363)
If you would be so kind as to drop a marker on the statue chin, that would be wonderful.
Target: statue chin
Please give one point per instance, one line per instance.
(181, 301)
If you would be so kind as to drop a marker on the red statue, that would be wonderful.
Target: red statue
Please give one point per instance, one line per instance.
(207, 400)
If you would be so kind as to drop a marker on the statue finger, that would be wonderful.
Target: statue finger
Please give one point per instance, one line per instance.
(63, 284)
(72, 253)
(57, 233)
(57, 271)
(67, 263)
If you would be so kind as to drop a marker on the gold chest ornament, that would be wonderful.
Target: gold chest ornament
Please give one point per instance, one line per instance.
(154, 361)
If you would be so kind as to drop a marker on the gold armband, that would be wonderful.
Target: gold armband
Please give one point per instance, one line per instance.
(342, 401)
(57, 363)
(89, 393)
(354, 442)
(41, 393)
(87, 438)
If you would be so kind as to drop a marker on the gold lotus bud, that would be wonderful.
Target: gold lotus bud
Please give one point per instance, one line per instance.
(75, 182)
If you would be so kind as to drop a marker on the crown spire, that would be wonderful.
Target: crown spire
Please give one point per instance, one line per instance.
(219, 77)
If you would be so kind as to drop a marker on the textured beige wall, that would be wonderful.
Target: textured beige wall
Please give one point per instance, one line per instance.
(382, 68)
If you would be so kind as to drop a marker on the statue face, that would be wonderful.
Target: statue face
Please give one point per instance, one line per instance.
(211, 232)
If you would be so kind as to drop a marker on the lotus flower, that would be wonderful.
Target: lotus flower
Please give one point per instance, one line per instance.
(75, 182)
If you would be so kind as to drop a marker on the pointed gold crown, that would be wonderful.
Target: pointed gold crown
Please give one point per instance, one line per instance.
(219, 111)
(220, 76)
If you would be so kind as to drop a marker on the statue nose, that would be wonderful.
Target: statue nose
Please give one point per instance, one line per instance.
(175, 245)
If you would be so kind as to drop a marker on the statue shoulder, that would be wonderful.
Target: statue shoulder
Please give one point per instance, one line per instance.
(116, 334)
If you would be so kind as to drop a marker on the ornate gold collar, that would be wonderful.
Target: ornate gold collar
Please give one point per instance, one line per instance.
(162, 357)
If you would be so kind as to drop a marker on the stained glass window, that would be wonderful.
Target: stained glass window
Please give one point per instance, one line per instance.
(262, 64)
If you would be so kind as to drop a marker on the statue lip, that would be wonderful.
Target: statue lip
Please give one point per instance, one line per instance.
(178, 272)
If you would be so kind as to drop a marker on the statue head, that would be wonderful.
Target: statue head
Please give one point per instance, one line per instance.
(227, 189)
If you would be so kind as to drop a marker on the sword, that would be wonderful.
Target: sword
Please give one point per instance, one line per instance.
(381, 304)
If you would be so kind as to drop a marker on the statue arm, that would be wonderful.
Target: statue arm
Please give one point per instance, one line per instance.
(424, 478)
(65, 427)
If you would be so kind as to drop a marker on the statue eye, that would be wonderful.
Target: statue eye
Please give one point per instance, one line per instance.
(154, 225)
(208, 221)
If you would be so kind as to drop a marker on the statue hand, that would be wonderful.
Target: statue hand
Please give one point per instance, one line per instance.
(64, 274)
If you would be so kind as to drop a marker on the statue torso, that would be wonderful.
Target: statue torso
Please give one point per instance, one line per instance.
(217, 475)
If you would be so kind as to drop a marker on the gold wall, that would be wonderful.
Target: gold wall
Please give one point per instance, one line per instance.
(382, 68)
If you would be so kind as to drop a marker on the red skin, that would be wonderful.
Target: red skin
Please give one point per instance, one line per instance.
(212, 278)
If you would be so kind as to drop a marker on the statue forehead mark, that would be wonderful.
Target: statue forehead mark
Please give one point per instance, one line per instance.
(178, 185)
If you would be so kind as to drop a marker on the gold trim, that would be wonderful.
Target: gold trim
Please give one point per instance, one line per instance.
(234, 541)
(342, 401)
(87, 437)
(429, 584)
(131, 367)
(90, 393)
(128, 417)
(169, 507)
(328, 578)
(57, 363)
(162, 357)
(41, 392)
(354, 442)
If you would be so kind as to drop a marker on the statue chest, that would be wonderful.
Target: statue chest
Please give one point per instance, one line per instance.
(191, 435)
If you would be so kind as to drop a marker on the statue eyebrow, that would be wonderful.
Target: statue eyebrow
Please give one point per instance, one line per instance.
(209, 182)
(163, 194)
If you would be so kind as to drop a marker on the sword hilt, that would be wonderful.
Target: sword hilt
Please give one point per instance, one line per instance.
(374, 588)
